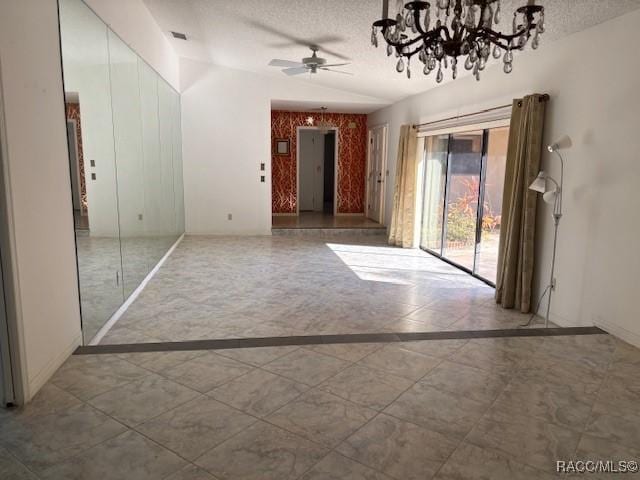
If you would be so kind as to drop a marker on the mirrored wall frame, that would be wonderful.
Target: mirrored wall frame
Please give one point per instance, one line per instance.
(125, 139)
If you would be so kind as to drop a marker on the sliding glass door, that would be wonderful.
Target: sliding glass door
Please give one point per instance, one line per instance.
(497, 140)
(463, 193)
(463, 182)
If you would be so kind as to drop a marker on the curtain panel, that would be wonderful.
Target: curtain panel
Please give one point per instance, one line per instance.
(517, 235)
(404, 194)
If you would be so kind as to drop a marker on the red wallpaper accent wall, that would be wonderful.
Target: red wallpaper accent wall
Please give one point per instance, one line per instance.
(73, 113)
(352, 159)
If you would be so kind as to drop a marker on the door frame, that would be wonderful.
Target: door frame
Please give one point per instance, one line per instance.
(383, 188)
(76, 162)
(336, 167)
(12, 389)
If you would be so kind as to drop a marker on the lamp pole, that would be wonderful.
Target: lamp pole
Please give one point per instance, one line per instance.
(557, 215)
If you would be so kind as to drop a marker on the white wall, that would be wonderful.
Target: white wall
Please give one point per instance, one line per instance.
(133, 22)
(37, 177)
(226, 123)
(592, 77)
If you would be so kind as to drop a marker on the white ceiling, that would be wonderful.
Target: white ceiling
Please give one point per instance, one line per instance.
(247, 34)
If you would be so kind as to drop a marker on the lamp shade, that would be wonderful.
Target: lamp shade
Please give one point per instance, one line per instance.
(550, 196)
(540, 183)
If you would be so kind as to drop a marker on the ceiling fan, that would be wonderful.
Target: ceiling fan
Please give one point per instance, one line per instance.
(309, 64)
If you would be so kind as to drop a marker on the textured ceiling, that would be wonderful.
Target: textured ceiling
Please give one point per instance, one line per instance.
(247, 34)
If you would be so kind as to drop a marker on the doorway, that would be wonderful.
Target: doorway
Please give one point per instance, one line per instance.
(76, 170)
(376, 173)
(317, 167)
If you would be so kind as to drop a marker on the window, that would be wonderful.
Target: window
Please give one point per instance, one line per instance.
(462, 203)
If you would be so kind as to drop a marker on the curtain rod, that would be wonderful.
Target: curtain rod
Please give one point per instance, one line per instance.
(543, 98)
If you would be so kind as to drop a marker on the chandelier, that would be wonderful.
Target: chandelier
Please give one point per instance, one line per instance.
(440, 34)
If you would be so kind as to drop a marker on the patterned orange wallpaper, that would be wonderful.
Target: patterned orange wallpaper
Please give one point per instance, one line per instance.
(73, 113)
(352, 159)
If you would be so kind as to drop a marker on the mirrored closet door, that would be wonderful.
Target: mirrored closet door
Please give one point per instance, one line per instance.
(125, 148)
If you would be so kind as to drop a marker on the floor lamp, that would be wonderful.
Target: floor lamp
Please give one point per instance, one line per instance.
(552, 194)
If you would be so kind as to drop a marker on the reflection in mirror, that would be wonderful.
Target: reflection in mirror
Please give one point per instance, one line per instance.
(152, 179)
(88, 96)
(167, 197)
(125, 95)
(125, 158)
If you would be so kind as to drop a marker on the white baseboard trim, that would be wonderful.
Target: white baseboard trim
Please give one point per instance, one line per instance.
(284, 214)
(43, 376)
(620, 332)
(349, 214)
(132, 298)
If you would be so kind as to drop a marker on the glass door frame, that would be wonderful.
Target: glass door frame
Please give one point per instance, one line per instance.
(479, 209)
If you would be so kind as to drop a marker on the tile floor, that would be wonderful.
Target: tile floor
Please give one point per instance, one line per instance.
(444, 409)
(234, 287)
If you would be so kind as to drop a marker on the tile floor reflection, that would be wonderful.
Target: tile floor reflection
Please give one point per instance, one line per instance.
(243, 287)
(503, 408)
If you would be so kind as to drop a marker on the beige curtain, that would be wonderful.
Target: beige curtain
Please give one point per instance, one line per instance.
(516, 251)
(402, 218)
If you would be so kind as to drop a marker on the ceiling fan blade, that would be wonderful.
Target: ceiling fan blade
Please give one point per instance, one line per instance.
(297, 40)
(295, 71)
(334, 54)
(335, 65)
(336, 71)
(276, 62)
(323, 40)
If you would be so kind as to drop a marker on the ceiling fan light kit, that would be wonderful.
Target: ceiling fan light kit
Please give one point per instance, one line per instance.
(441, 33)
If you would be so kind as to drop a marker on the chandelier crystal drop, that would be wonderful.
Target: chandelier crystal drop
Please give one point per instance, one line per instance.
(462, 28)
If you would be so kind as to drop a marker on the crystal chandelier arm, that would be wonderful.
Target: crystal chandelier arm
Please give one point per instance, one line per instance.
(427, 37)
(497, 36)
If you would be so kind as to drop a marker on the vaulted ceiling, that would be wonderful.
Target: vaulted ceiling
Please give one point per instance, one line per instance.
(247, 34)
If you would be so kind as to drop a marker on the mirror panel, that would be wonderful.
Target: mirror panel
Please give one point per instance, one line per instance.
(178, 183)
(125, 158)
(166, 111)
(152, 178)
(85, 54)
(125, 99)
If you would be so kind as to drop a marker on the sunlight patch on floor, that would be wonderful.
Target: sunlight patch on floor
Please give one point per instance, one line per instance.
(395, 265)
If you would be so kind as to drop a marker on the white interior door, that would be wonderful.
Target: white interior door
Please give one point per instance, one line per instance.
(376, 175)
(311, 163)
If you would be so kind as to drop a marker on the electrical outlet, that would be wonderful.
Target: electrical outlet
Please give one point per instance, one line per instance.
(229, 216)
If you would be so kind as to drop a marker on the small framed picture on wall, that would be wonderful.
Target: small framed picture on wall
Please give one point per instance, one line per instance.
(281, 146)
